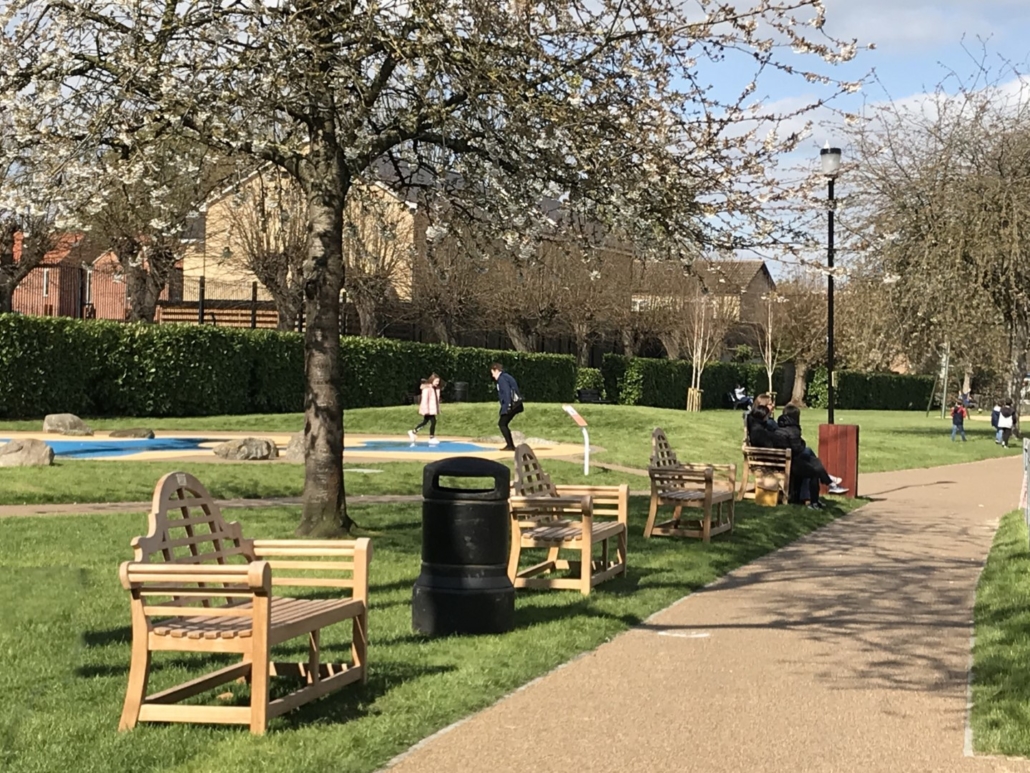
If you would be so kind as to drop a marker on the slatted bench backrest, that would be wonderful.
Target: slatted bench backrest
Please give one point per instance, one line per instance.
(532, 481)
(186, 527)
(771, 458)
(667, 472)
(662, 455)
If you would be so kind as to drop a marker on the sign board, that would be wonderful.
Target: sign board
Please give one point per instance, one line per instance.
(575, 415)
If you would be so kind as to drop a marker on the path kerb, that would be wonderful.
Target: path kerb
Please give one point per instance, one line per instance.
(849, 650)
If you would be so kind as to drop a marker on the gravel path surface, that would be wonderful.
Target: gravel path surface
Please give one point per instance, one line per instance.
(846, 651)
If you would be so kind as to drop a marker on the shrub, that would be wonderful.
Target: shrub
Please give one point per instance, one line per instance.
(109, 368)
(871, 391)
(590, 378)
(661, 383)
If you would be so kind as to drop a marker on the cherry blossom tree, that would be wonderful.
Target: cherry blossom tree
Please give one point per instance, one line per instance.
(606, 104)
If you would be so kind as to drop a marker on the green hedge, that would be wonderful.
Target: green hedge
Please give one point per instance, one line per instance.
(381, 371)
(662, 383)
(590, 378)
(99, 368)
(872, 391)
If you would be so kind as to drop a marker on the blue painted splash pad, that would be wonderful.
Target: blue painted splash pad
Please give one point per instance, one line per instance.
(90, 449)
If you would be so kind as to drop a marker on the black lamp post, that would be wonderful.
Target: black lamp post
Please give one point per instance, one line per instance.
(830, 159)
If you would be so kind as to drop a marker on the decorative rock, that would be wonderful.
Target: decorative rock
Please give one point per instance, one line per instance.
(246, 449)
(295, 450)
(137, 432)
(26, 453)
(65, 424)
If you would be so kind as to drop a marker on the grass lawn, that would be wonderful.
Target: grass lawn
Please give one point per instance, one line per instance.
(888, 441)
(65, 641)
(1001, 655)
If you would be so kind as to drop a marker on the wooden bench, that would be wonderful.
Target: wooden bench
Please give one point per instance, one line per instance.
(197, 585)
(565, 518)
(768, 462)
(688, 485)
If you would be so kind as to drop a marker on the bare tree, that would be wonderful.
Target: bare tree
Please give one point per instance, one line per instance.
(24, 243)
(705, 321)
(767, 335)
(267, 232)
(801, 325)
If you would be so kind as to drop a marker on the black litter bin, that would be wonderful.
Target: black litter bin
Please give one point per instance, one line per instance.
(461, 392)
(464, 585)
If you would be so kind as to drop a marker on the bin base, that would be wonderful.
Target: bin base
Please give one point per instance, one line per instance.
(444, 611)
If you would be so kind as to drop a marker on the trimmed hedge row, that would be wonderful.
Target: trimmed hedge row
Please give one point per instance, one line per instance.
(872, 391)
(97, 368)
(661, 383)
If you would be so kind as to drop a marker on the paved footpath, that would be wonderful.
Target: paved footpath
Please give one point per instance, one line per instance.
(846, 651)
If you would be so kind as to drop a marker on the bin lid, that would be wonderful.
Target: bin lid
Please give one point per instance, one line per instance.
(497, 479)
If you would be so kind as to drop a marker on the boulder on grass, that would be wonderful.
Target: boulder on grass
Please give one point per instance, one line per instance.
(246, 449)
(137, 432)
(26, 453)
(65, 424)
(295, 450)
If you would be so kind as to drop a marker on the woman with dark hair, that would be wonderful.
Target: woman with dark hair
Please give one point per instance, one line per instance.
(805, 466)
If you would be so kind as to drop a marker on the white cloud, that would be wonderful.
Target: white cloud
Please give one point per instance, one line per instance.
(906, 27)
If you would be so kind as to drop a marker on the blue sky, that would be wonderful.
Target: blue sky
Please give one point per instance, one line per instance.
(916, 42)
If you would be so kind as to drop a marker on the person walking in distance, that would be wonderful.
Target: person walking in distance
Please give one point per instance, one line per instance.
(1006, 422)
(428, 408)
(995, 415)
(958, 419)
(511, 402)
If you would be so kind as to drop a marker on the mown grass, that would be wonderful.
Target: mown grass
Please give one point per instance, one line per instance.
(1001, 654)
(888, 441)
(65, 642)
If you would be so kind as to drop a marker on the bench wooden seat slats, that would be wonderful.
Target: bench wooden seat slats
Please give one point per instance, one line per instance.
(688, 485)
(197, 585)
(565, 518)
(764, 462)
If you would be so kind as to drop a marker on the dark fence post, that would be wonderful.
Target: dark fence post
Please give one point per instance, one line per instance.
(253, 305)
(300, 320)
(200, 303)
(82, 293)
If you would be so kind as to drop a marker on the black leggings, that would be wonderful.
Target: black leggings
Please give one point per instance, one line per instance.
(431, 421)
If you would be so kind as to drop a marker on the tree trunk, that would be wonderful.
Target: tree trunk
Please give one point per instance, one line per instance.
(797, 396)
(671, 344)
(286, 308)
(629, 342)
(442, 331)
(368, 319)
(325, 506)
(582, 334)
(520, 339)
(6, 295)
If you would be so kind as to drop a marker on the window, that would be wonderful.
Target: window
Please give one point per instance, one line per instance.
(89, 286)
(46, 282)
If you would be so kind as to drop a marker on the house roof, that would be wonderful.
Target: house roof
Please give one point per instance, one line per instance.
(730, 277)
(72, 248)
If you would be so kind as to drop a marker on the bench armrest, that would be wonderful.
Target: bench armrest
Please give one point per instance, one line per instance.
(572, 505)
(256, 576)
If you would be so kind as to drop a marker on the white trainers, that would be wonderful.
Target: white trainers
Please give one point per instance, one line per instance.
(411, 435)
(836, 489)
(433, 441)
(835, 480)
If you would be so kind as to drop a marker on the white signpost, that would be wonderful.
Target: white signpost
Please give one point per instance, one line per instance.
(586, 436)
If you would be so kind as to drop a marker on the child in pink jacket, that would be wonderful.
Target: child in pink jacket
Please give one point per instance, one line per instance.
(428, 408)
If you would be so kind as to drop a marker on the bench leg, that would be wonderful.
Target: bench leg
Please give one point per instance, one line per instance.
(621, 549)
(516, 550)
(743, 481)
(651, 513)
(139, 672)
(359, 644)
(706, 527)
(260, 666)
(586, 570)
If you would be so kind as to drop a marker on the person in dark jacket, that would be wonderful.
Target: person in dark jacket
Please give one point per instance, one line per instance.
(751, 419)
(510, 398)
(958, 419)
(1006, 422)
(995, 415)
(805, 466)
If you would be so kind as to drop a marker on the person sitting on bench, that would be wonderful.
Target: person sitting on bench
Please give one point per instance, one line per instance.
(807, 468)
(740, 398)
